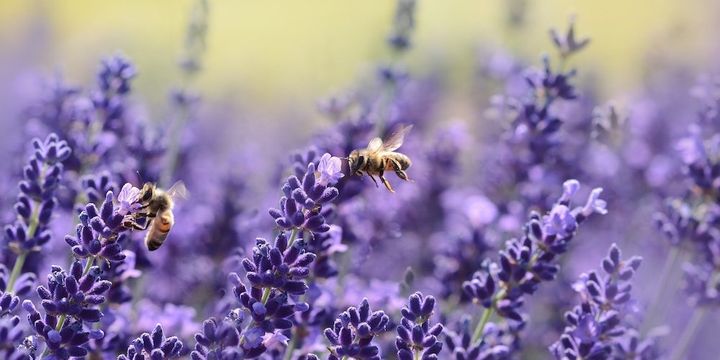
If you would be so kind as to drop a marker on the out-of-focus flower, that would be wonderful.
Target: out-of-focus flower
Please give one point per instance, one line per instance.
(566, 43)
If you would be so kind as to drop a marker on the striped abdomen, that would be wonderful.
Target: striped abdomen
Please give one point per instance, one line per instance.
(393, 159)
(159, 230)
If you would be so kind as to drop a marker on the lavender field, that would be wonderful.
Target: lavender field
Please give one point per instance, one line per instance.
(544, 206)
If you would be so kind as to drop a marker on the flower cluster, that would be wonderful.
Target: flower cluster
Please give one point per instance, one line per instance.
(301, 207)
(268, 313)
(69, 300)
(281, 267)
(218, 340)
(527, 262)
(416, 338)
(100, 233)
(596, 325)
(36, 200)
(153, 346)
(353, 332)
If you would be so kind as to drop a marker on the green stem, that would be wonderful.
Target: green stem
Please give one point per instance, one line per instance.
(33, 224)
(88, 265)
(293, 237)
(667, 270)
(61, 322)
(481, 325)
(417, 355)
(17, 268)
(265, 296)
(689, 333)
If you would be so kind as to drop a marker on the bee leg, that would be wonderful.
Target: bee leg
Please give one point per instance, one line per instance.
(130, 223)
(386, 183)
(399, 171)
(375, 181)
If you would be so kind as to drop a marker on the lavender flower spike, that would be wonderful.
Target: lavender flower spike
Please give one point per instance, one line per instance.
(415, 335)
(353, 332)
(154, 346)
(527, 262)
(36, 200)
(596, 327)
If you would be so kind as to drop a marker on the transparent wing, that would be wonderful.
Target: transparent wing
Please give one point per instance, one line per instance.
(178, 191)
(375, 145)
(395, 140)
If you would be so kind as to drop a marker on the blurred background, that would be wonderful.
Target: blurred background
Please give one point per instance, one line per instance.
(281, 55)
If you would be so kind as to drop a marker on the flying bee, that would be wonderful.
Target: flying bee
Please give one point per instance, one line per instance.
(380, 156)
(156, 210)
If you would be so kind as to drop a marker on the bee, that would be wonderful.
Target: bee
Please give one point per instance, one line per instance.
(156, 210)
(380, 156)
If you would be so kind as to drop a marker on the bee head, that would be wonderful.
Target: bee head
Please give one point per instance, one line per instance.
(147, 193)
(356, 161)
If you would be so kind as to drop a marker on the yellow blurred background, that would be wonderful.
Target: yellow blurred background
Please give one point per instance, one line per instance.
(292, 52)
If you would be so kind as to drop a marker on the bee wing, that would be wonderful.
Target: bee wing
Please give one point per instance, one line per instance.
(375, 145)
(178, 191)
(395, 140)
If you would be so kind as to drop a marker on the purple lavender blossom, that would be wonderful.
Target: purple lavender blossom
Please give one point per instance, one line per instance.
(101, 232)
(96, 186)
(416, 338)
(218, 340)
(353, 332)
(70, 299)
(301, 207)
(329, 169)
(36, 200)
(153, 346)
(282, 267)
(10, 336)
(595, 327)
(527, 262)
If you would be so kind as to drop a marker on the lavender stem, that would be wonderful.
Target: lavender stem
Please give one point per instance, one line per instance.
(689, 333)
(32, 229)
(670, 262)
(481, 325)
(17, 268)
